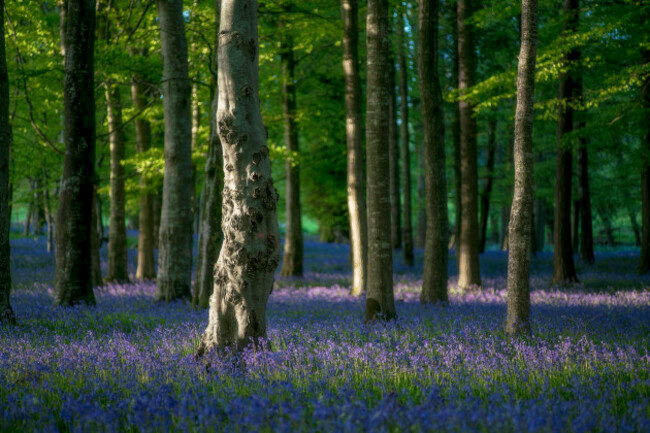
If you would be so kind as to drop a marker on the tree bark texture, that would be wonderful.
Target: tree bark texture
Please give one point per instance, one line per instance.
(644, 260)
(405, 154)
(421, 230)
(393, 148)
(380, 303)
(520, 227)
(468, 243)
(292, 261)
(96, 239)
(455, 129)
(563, 266)
(117, 260)
(146, 235)
(436, 255)
(353, 130)
(175, 239)
(6, 312)
(486, 193)
(73, 282)
(250, 253)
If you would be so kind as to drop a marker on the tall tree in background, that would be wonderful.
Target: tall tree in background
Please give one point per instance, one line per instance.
(584, 194)
(644, 261)
(455, 130)
(486, 192)
(563, 267)
(468, 244)
(72, 282)
(520, 227)
(175, 244)
(292, 260)
(6, 312)
(380, 303)
(407, 230)
(250, 253)
(356, 196)
(434, 280)
(393, 161)
(210, 234)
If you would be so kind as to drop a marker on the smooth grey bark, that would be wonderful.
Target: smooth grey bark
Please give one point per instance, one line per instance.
(353, 129)
(468, 243)
(405, 154)
(436, 255)
(6, 312)
(486, 192)
(175, 239)
(563, 266)
(250, 253)
(520, 227)
(644, 260)
(393, 162)
(117, 260)
(292, 260)
(73, 282)
(210, 234)
(380, 303)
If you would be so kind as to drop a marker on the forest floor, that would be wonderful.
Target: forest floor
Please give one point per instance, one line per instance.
(128, 364)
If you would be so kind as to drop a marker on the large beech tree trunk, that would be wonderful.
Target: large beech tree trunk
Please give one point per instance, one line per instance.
(563, 267)
(356, 196)
(175, 239)
(210, 234)
(73, 282)
(393, 162)
(407, 230)
(380, 303)
(644, 261)
(250, 252)
(117, 260)
(468, 243)
(292, 260)
(520, 227)
(434, 280)
(6, 312)
(487, 186)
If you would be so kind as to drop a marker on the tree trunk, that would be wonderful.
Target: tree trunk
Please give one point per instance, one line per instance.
(49, 217)
(117, 260)
(455, 129)
(38, 206)
(575, 224)
(175, 239)
(6, 312)
(96, 239)
(73, 282)
(30, 209)
(407, 230)
(157, 209)
(520, 227)
(422, 212)
(635, 225)
(487, 187)
(250, 253)
(563, 267)
(356, 196)
(644, 260)
(292, 261)
(146, 235)
(436, 255)
(540, 223)
(210, 234)
(468, 243)
(393, 162)
(584, 194)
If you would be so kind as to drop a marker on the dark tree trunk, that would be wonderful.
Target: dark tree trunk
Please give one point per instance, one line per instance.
(380, 303)
(292, 261)
(356, 196)
(49, 216)
(6, 312)
(422, 212)
(468, 243)
(487, 186)
(117, 260)
(73, 282)
(30, 208)
(393, 148)
(39, 208)
(635, 225)
(250, 253)
(575, 225)
(455, 129)
(584, 195)
(520, 227)
(563, 267)
(434, 279)
(540, 223)
(407, 230)
(96, 239)
(175, 239)
(644, 261)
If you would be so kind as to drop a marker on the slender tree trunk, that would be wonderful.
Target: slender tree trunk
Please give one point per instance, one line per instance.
(575, 224)
(520, 228)
(422, 212)
(635, 225)
(30, 209)
(455, 129)
(292, 260)
(487, 188)
(49, 217)
(6, 312)
(250, 253)
(210, 234)
(393, 161)
(146, 235)
(175, 243)
(468, 243)
(117, 260)
(407, 231)
(196, 124)
(96, 239)
(644, 261)
(356, 196)
(540, 223)
(38, 206)
(436, 255)
(586, 227)
(157, 210)
(73, 282)
(563, 267)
